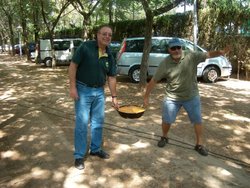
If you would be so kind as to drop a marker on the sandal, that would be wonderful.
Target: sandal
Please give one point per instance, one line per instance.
(162, 142)
(201, 150)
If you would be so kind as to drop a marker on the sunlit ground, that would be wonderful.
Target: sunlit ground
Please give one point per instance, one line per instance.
(37, 124)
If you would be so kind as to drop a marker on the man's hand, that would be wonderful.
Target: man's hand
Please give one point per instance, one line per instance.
(72, 81)
(73, 93)
(227, 49)
(115, 103)
(217, 53)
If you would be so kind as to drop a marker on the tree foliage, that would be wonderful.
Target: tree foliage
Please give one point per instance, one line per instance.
(50, 18)
(8, 20)
(86, 9)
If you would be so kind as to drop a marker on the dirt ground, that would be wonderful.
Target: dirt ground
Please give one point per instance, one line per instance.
(37, 124)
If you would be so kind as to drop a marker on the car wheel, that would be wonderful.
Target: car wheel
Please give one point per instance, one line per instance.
(134, 74)
(211, 74)
(48, 62)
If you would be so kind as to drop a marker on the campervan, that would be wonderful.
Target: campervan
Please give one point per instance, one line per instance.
(63, 50)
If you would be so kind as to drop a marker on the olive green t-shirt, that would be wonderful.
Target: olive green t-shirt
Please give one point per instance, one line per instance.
(181, 77)
(92, 69)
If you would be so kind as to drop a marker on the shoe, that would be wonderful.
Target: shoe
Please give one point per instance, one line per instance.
(201, 150)
(102, 154)
(79, 164)
(162, 142)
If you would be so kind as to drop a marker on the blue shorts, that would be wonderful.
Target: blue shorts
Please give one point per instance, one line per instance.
(192, 107)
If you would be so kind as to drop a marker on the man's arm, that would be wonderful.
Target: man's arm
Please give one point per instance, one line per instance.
(112, 88)
(72, 81)
(217, 53)
(149, 88)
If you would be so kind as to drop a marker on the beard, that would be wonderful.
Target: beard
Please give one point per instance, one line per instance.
(176, 56)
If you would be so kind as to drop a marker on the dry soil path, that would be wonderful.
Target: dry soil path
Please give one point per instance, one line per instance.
(37, 124)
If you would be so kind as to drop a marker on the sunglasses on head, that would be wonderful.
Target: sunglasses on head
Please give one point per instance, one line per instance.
(175, 48)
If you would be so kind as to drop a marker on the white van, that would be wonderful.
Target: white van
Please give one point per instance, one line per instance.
(64, 49)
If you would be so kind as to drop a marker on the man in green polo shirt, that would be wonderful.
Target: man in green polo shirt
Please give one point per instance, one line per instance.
(91, 64)
(180, 71)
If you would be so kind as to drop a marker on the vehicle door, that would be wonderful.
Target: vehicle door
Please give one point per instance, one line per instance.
(62, 51)
(45, 50)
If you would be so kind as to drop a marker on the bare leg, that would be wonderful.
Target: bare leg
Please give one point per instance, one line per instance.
(165, 129)
(199, 147)
(198, 133)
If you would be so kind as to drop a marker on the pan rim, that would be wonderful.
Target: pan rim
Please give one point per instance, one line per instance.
(131, 113)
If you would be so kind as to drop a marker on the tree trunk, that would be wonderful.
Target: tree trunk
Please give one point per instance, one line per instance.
(238, 70)
(146, 51)
(148, 34)
(110, 12)
(24, 27)
(147, 44)
(52, 50)
(36, 20)
(10, 22)
(85, 30)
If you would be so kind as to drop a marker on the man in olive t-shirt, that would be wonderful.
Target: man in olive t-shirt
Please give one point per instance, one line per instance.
(180, 71)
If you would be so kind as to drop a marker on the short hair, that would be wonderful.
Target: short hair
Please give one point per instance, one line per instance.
(102, 26)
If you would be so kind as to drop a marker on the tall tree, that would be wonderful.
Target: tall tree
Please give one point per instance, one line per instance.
(8, 9)
(86, 9)
(120, 10)
(165, 6)
(51, 18)
(23, 11)
(36, 11)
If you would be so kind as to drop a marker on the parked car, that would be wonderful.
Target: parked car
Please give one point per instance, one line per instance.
(6, 48)
(64, 49)
(17, 48)
(115, 47)
(130, 56)
(31, 48)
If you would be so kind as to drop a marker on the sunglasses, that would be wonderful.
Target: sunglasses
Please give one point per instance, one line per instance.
(106, 34)
(175, 48)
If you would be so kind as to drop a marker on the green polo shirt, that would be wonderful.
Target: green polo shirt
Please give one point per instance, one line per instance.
(92, 69)
(181, 77)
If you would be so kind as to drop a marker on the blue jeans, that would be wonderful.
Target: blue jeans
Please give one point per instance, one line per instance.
(88, 109)
(172, 107)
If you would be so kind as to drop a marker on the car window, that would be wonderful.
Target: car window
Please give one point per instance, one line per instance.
(134, 45)
(114, 46)
(61, 45)
(77, 43)
(187, 46)
(159, 46)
